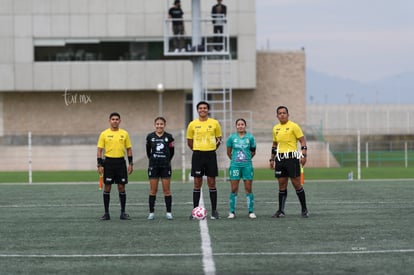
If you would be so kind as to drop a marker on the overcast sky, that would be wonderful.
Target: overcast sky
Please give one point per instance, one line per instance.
(362, 40)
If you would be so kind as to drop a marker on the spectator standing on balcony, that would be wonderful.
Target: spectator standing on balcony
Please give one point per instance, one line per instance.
(286, 160)
(241, 148)
(113, 143)
(176, 14)
(160, 151)
(204, 138)
(218, 13)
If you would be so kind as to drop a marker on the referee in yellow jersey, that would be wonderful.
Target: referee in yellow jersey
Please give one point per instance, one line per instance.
(204, 138)
(286, 160)
(112, 144)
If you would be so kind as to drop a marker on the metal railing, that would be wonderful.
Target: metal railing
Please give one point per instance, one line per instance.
(210, 41)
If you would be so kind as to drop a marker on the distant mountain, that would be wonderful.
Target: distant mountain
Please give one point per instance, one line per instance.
(322, 88)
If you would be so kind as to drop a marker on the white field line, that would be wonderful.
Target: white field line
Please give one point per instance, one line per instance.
(207, 254)
(190, 203)
(298, 253)
(209, 266)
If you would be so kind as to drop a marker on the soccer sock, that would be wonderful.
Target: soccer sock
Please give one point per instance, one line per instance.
(302, 198)
(168, 202)
(122, 199)
(106, 198)
(282, 200)
(232, 202)
(213, 199)
(250, 202)
(196, 197)
(151, 203)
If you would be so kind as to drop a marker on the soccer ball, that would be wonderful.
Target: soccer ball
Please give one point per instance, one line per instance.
(199, 213)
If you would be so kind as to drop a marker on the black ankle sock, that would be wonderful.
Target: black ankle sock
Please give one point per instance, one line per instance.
(302, 198)
(151, 203)
(122, 199)
(282, 200)
(106, 199)
(213, 199)
(196, 197)
(168, 202)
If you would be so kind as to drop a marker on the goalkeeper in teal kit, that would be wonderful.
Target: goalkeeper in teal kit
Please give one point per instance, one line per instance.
(241, 148)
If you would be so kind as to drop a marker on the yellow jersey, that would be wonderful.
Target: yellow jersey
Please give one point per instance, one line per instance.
(204, 134)
(114, 142)
(287, 135)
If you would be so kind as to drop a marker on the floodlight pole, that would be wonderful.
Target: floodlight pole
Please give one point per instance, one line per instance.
(160, 91)
(197, 60)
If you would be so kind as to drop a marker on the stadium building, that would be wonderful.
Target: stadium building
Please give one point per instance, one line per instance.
(66, 64)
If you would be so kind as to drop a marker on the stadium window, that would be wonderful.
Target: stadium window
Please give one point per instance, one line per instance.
(58, 50)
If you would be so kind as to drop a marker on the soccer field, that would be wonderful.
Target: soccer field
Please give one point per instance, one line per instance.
(355, 227)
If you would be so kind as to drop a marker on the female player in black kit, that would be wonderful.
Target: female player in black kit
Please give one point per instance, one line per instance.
(160, 151)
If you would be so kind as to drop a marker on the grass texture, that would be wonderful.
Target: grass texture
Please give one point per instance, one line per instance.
(355, 227)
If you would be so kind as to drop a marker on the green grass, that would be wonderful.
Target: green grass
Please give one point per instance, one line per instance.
(359, 227)
(260, 174)
(375, 158)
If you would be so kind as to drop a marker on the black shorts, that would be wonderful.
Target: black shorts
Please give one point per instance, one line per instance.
(288, 167)
(204, 163)
(115, 171)
(155, 172)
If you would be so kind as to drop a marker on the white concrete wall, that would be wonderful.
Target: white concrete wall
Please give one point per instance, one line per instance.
(30, 20)
(373, 119)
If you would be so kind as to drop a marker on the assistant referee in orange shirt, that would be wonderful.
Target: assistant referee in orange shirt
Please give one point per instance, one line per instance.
(113, 143)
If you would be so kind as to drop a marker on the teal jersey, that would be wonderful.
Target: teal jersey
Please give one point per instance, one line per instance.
(241, 148)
